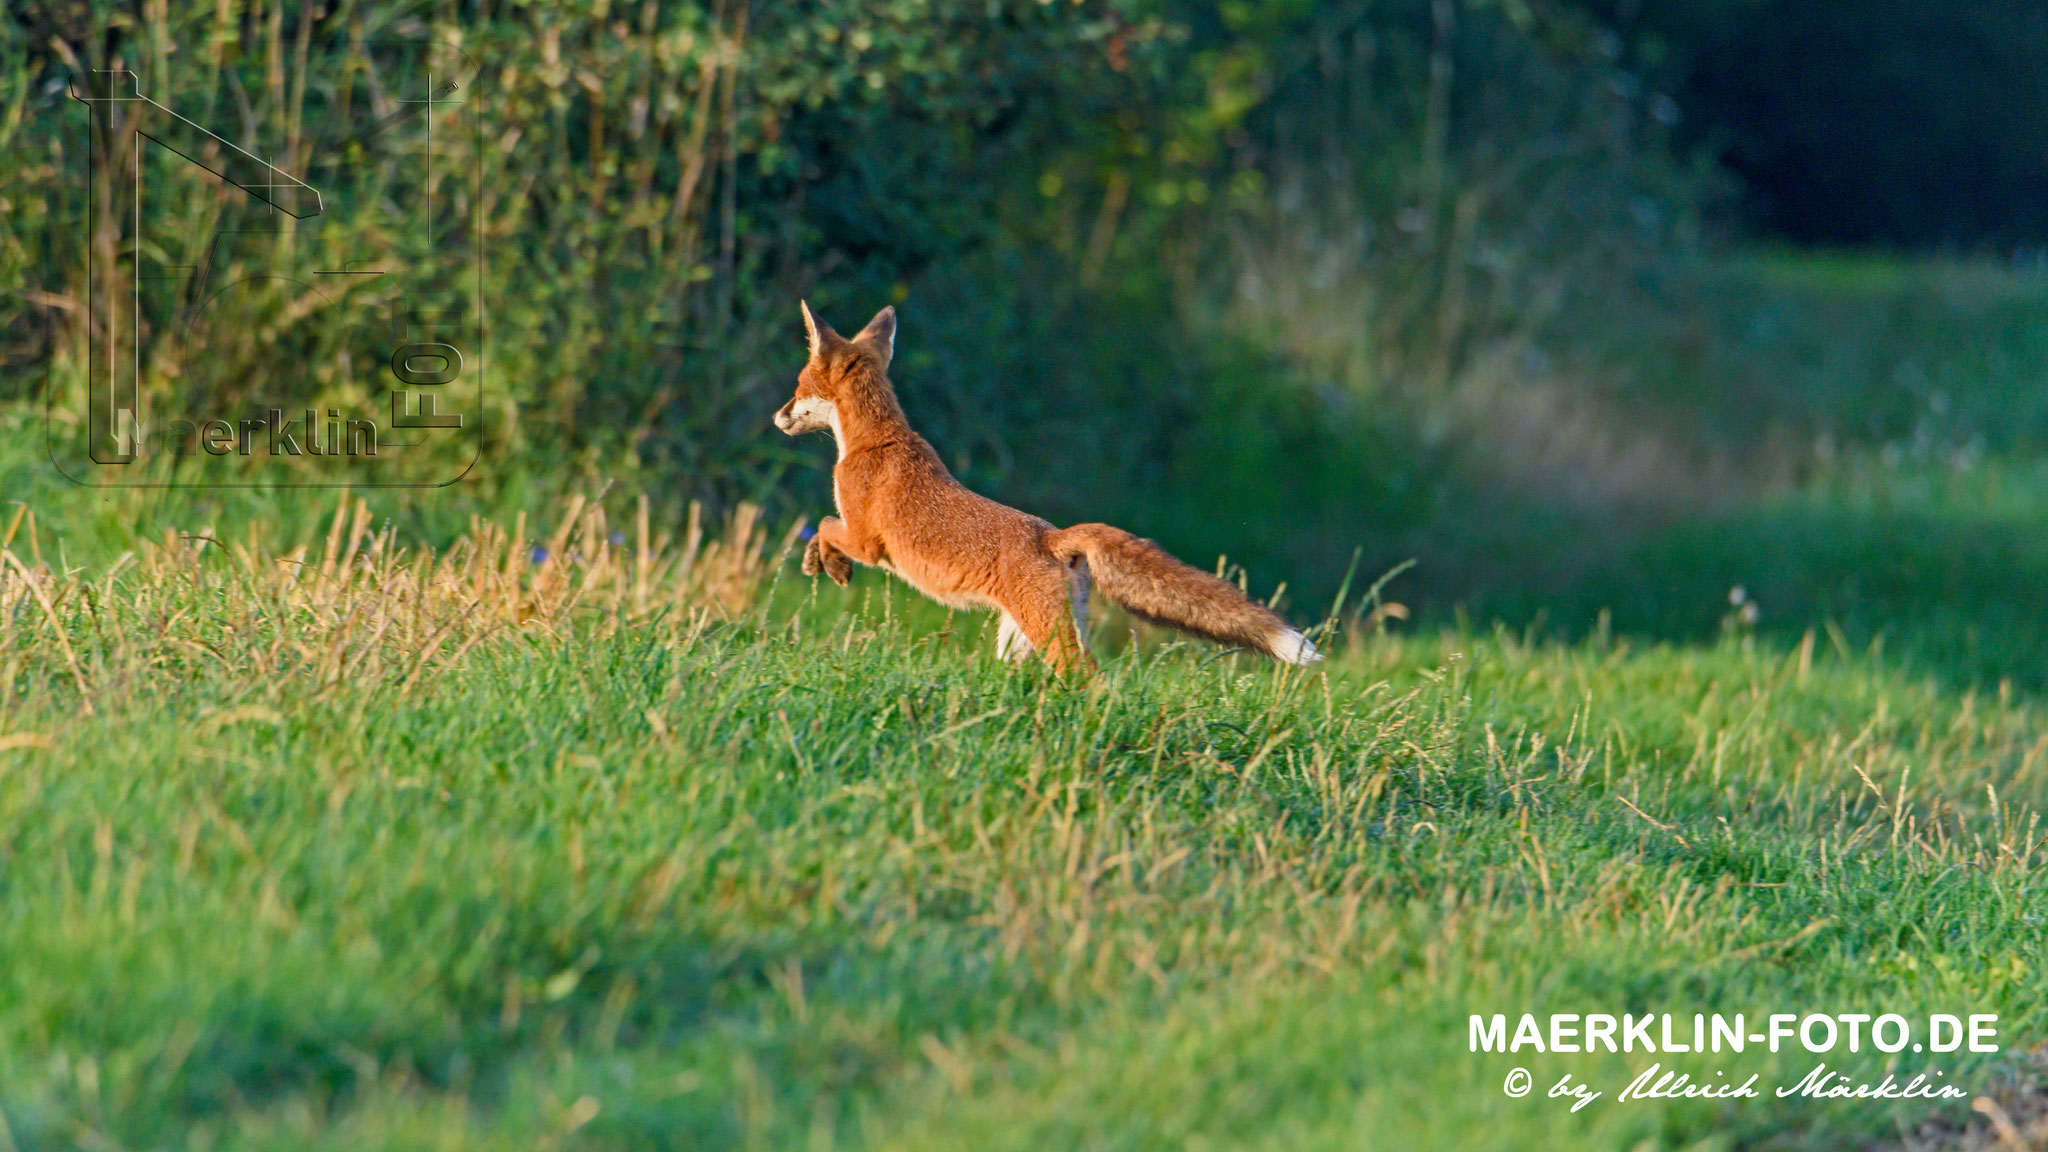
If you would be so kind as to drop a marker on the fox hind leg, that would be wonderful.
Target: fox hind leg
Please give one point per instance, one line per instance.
(1011, 643)
(1078, 586)
(1046, 615)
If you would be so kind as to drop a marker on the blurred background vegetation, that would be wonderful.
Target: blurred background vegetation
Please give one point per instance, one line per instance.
(1598, 310)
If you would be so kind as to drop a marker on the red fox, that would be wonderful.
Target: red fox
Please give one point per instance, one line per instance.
(901, 511)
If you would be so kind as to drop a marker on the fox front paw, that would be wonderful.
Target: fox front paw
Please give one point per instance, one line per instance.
(837, 565)
(822, 557)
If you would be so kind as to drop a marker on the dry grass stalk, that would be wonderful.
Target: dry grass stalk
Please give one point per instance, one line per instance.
(367, 607)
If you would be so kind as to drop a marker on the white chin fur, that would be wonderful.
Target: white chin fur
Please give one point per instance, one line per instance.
(1292, 647)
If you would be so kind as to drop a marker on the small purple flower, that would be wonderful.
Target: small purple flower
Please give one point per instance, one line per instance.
(806, 532)
(539, 555)
(618, 539)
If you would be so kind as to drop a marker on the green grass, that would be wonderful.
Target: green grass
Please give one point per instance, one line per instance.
(579, 834)
(1943, 569)
(318, 872)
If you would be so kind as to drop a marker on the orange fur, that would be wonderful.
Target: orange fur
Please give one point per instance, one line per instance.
(902, 511)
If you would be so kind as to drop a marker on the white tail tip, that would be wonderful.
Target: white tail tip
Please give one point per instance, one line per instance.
(1292, 647)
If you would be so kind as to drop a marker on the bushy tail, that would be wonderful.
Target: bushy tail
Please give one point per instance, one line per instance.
(1146, 581)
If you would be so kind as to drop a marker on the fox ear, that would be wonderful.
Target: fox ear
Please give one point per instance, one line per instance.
(881, 333)
(821, 334)
(810, 324)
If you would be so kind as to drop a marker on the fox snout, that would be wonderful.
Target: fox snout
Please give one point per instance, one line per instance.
(805, 414)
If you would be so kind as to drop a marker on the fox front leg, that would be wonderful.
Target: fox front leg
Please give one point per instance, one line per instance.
(820, 556)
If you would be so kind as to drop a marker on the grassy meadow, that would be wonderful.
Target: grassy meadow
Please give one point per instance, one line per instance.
(617, 835)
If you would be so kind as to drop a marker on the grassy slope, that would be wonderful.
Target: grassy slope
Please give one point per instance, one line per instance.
(815, 872)
(818, 877)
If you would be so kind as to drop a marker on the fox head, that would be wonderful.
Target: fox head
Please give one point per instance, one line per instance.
(842, 377)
